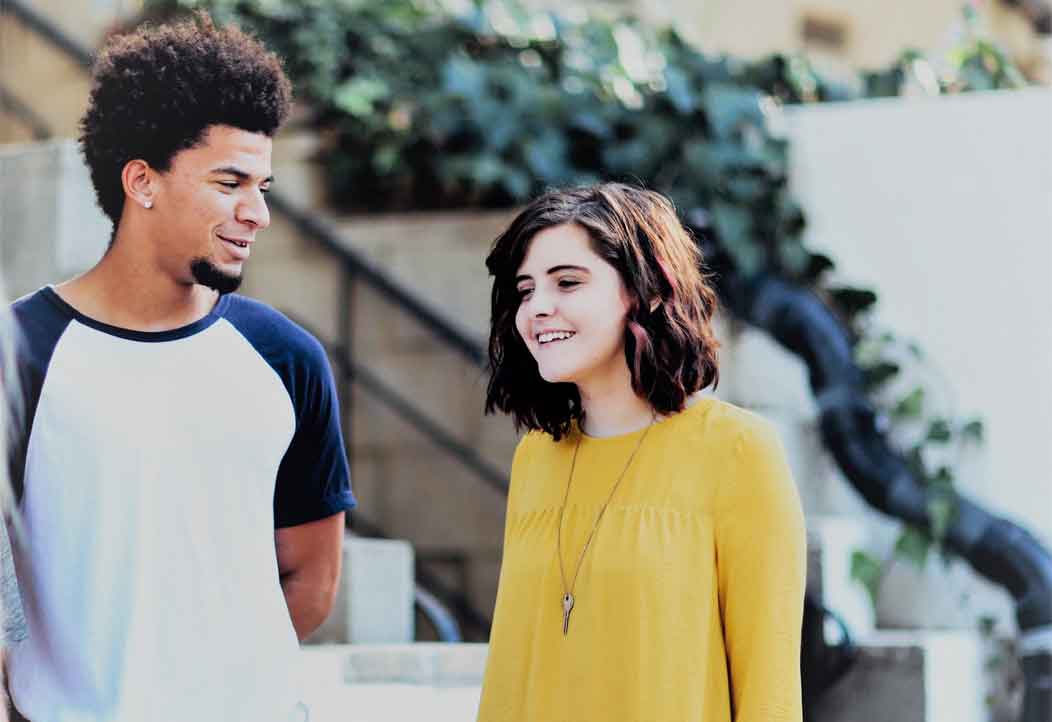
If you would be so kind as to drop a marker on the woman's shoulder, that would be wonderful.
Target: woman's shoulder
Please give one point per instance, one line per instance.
(533, 448)
(533, 442)
(755, 477)
(719, 425)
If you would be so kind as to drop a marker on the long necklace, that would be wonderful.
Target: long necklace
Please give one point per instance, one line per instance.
(568, 597)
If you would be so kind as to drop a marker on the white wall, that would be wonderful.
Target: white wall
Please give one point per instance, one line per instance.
(944, 206)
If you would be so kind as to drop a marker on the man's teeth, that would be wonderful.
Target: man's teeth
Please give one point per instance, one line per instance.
(554, 336)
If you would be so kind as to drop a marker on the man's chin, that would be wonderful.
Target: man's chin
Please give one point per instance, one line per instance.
(208, 274)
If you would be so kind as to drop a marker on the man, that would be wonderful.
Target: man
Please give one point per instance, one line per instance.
(181, 473)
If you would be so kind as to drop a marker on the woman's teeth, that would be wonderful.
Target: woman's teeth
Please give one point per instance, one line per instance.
(554, 336)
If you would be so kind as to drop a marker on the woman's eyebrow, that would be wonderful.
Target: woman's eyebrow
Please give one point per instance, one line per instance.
(567, 267)
(553, 269)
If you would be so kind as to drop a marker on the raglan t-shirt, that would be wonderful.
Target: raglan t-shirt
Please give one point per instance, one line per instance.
(151, 470)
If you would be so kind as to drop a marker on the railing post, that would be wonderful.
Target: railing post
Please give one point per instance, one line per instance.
(345, 335)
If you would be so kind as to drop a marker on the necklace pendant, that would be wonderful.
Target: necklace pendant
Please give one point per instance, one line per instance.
(567, 608)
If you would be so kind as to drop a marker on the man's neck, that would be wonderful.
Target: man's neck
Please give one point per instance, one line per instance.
(127, 290)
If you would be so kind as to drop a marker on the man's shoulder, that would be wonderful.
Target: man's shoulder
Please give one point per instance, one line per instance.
(272, 333)
(37, 306)
(36, 321)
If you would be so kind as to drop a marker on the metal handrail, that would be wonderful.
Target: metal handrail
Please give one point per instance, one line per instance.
(447, 330)
(14, 105)
(380, 390)
(49, 31)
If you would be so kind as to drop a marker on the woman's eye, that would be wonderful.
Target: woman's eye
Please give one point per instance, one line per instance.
(568, 283)
(523, 293)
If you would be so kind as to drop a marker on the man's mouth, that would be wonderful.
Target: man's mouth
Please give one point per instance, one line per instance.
(553, 336)
(236, 242)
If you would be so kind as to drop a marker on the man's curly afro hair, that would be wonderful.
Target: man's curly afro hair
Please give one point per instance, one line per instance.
(157, 90)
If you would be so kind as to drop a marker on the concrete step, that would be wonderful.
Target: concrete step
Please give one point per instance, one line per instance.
(379, 683)
(912, 677)
(900, 677)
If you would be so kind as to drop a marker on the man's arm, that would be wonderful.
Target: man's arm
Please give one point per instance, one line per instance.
(309, 557)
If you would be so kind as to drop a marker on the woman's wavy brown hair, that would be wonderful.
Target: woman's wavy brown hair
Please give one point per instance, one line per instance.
(671, 350)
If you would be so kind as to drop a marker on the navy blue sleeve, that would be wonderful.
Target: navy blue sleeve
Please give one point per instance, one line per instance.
(39, 320)
(313, 479)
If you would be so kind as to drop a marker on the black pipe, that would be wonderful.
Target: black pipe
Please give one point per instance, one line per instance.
(996, 548)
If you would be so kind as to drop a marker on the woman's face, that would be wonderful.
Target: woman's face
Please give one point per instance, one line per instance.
(572, 309)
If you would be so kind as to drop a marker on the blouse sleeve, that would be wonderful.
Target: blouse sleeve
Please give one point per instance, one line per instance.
(761, 563)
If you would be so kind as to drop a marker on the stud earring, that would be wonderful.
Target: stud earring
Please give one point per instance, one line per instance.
(147, 204)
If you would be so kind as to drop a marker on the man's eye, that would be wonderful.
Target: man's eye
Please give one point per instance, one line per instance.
(264, 189)
(228, 184)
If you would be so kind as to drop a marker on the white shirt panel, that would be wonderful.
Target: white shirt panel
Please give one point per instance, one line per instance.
(178, 542)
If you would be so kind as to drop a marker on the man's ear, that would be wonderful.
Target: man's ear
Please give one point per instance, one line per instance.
(138, 179)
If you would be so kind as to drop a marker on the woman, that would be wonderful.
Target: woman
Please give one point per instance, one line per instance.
(654, 553)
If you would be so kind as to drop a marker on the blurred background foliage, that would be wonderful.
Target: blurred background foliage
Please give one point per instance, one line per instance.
(424, 104)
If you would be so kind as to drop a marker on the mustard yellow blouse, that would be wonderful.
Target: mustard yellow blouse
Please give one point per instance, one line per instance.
(690, 598)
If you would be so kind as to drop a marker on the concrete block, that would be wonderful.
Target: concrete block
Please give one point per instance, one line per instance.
(911, 677)
(832, 540)
(374, 603)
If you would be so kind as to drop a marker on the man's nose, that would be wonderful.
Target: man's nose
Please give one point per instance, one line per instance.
(253, 211)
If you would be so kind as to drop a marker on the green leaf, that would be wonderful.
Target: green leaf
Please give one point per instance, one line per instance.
(911, 406)
(733, 226)
(987, 625)
(942, 479)
(357, 96)
(867, 571)
(942, 510)
(463, 77)
(939, 431)
(913, 545)
(915, 462)
(794, 257)
(973, 430)
(730, 107)
(875, 376)
(517, 183)
(852, 301)
(679, 90)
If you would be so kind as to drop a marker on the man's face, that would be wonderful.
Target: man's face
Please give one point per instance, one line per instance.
(210, 205)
